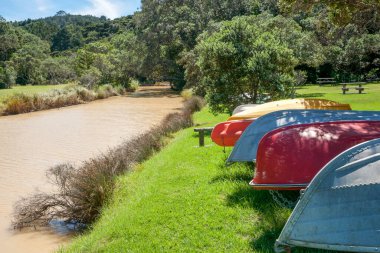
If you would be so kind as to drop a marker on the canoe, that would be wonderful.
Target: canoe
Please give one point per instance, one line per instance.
(227, 133)
(245, 148)
(288, 158)
(340, 208)
(242, 108)
(300, 103)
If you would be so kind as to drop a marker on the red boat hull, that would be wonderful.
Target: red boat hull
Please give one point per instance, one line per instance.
(288, 158)
(226, 134)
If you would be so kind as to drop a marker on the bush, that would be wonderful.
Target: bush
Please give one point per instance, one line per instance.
(133, 85)
(18, 103)
(194, 104)
(83, 191)
(187, 94)
(90, 78)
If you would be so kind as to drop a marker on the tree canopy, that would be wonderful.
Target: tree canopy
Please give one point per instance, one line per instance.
(212, 46)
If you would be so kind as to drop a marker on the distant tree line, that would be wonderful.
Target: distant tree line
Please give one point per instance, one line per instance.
(231, 51)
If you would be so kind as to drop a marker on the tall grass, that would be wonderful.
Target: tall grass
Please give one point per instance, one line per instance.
(83, 191)
(71, 95)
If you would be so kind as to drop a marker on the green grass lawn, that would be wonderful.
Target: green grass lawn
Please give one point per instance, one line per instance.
(370, 100)
(29, 89)
(184, 199)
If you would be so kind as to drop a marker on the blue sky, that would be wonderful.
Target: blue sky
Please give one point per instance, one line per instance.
(22, 9)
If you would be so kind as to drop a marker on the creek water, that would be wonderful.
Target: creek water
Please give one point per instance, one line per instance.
(32, 143)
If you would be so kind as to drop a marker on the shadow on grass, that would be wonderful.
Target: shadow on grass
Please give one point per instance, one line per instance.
(271, 218)
(230, 173)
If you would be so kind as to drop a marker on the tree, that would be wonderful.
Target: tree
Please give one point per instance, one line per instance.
(168, 28)
(61, 13)
(243, 62)
(66, 38)
(341, 11)
(7, 76)
(27, 60)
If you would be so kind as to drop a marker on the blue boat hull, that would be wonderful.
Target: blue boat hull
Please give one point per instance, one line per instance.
(340, 209)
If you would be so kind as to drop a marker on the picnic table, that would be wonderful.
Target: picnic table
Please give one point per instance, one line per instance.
(359, 87)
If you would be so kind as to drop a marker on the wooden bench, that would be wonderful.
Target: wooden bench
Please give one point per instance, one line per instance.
(201, 132)
(327, 80)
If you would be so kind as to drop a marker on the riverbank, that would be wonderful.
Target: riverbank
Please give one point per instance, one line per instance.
(34, 142)
(29, 99)
(184, 199)
(29, 89)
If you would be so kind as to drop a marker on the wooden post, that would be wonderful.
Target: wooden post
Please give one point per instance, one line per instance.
(201, 134)
(201, 138)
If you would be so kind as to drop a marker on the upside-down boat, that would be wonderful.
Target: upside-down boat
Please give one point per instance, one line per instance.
(245, 148)
(226, 134)
(244, 107)
(299, 103)
(339, 210)
(288, 158)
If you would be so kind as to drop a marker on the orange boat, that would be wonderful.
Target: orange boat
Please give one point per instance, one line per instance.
(226, 134)
(288, 104)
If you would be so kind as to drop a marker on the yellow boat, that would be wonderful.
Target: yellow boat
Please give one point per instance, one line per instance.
(288, 104)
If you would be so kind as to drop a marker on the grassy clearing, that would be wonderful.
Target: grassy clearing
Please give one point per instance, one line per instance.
(30, 90)
(367, 101)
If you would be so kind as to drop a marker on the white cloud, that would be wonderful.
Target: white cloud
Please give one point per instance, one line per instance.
(42, 5)
(108, 8)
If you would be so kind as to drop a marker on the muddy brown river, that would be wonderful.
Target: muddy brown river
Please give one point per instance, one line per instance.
(32, 143)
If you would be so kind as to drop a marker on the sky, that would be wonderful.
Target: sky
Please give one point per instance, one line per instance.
(18, 10)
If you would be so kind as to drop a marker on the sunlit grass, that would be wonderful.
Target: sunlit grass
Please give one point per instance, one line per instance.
(184, 199)
(370, 100)
(29, 90)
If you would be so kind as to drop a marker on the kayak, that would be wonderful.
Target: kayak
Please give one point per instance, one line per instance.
(242, 108)
(288, 158)
(226, 134)
(300, 103)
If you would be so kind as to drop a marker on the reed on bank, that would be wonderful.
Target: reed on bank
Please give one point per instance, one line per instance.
(83, 191)
(70, 95)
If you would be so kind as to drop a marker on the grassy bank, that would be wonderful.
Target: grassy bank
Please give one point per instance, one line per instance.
(183, 200)
(30, 90)
(367, 101)
(31, 99)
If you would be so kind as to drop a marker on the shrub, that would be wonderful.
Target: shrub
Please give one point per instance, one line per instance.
(133, 85)
(187, 94)
(91, 78)
(18, 103)
(194, 104)
(83, 191)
